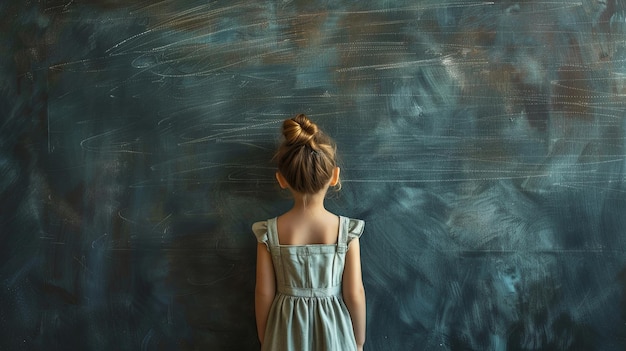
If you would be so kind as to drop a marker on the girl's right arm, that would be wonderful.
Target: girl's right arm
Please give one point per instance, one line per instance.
(354, 292)
(265, 288)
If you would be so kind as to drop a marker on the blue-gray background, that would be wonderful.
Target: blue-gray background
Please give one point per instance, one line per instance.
(483, 143)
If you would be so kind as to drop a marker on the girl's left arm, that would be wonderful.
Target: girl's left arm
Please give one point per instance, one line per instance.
(265, 288)
(354, 292)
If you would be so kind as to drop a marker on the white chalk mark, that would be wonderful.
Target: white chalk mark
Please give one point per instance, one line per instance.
(234, 130)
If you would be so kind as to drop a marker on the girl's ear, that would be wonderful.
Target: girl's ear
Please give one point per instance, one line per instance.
(335, 178)
(281, 181)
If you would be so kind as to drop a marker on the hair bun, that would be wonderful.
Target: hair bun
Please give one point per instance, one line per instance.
(299, 130)
(306, 157)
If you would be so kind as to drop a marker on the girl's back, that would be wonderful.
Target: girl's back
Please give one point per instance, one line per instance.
(307, 229)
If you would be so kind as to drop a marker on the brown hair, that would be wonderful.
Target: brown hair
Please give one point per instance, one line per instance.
(307, 157)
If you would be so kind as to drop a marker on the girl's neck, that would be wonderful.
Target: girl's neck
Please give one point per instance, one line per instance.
(309, 203)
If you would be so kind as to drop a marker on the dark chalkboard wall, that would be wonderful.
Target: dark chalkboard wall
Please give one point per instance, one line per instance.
(483, 143)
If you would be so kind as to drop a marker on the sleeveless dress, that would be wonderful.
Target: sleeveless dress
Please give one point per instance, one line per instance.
(308, 312)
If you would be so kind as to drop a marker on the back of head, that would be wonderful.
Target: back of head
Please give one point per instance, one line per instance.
(306, 158)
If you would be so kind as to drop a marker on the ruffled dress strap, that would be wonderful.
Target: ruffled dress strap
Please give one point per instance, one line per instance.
(265, 232)
(354, 229)
(349, 229)
(260, 231)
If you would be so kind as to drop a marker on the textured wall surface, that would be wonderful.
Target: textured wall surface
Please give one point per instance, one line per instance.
(483, 143)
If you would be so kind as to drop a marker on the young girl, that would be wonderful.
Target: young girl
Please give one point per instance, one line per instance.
(309, 289)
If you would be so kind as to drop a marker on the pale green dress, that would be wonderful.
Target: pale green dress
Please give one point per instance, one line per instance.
(308, 312)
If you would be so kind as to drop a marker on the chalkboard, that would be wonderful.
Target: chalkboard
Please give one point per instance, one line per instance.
(482, 142)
